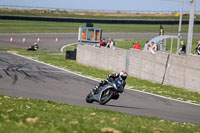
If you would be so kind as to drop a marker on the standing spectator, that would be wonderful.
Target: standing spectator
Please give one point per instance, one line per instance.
(108, 43)
(154, 46)
(83, 36)
(182, 50)
(146, 47)
(136, 45)
(149, 49)
(112, 44)
(197, 49)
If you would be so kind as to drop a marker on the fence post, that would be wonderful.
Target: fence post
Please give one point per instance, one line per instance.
(127, 60)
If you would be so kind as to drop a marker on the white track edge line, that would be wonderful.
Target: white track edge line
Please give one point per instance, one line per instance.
(163, 97)
(66, 45)
(98, 81)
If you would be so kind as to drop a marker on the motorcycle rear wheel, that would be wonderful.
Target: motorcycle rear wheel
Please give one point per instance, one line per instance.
(89, 98)
(106, 96)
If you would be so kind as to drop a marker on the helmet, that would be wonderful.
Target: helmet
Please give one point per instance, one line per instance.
(123, 75)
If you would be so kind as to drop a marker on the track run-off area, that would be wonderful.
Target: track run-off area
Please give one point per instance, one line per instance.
(20, 76)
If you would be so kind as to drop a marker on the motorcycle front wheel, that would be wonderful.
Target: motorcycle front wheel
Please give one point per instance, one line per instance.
(106, 96)
(89, 98)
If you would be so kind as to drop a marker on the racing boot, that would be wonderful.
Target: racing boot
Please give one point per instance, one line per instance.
(94, 90)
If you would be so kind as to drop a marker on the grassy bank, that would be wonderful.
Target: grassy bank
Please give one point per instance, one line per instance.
(22, 115)
(134, 83)
(14, 26)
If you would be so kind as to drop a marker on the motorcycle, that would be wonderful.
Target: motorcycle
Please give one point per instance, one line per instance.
(107, 92)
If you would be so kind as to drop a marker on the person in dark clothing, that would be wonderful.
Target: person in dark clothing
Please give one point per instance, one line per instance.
(182, 50)
(197, 49)
(123, 75)
(33, 47)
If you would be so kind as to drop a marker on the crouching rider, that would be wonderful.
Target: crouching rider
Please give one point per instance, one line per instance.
(33, 47)
(111, 77)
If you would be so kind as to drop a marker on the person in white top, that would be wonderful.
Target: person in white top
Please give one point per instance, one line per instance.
(112, 44)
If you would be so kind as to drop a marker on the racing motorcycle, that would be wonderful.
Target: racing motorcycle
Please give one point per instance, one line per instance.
(107, 92)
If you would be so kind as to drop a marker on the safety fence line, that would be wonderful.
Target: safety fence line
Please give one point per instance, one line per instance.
(101, 21)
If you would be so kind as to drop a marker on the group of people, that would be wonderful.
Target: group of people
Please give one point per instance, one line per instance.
(153, 47)
(197, 49)
(182, 50)
(109, 43)
(147, 47)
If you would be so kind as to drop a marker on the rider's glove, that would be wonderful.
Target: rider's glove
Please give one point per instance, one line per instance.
(108, 76)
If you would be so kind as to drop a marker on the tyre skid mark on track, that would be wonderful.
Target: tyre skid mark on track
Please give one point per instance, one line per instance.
(13, 71)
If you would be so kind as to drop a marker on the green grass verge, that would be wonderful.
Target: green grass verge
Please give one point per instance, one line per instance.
(22, 115)
(58, 59)
(14, 26)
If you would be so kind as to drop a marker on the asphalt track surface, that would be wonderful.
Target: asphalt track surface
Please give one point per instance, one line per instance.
(23, 77)
(48, 41)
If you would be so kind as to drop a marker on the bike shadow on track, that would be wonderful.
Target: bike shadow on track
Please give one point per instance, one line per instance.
(121, 106)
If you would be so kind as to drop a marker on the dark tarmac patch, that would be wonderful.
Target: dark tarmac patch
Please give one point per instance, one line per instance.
(14, 71)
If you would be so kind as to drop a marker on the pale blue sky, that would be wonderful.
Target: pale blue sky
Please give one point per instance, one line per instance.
(139, 5)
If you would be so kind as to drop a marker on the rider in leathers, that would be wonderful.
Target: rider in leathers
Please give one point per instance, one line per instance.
(111, 77)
